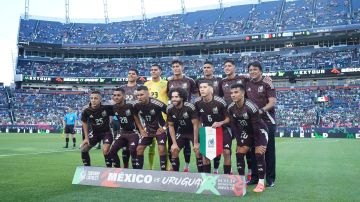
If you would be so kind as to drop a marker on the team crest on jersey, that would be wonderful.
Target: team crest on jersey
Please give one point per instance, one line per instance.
(215, 110)
(128, 112)
(104, 113)
(186, 115)
(152, 112)
(261, 89)
(184, 85)
(246, 116)
(249, 89)
(216, 83)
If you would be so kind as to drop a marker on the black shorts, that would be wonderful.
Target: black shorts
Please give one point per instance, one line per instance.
(247, 138)
(182, 140)
(161, 139)
(125, 139)
(94, 138)
(69, 129)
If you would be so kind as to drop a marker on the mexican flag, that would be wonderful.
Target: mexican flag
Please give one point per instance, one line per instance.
(211, 141)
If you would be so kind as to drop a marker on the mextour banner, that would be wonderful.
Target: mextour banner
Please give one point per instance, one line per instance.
(211, 141)
(199, 183)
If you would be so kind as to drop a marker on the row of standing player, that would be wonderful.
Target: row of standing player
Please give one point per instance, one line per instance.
(258, 89)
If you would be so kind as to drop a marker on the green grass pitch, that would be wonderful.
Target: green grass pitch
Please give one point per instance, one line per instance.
(35, 167)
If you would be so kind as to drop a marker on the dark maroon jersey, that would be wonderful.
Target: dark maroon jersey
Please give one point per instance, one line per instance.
(151, 113)
(125, 116)
(225, 87)
(130, 92)
(210, 112)
(186, 83)
(259, 93)
(215, 82)
(98, 118)
(247, 118)
(182, 118)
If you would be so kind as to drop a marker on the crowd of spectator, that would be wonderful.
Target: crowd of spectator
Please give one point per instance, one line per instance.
(264, 17)
(272, 61)
(295, 107)
(301, 108)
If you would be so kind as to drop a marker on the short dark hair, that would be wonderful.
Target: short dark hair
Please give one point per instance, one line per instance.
(120, 89)
(142, 88)
(182, 93)
(157, 65)
(208, 63)
(177, 61)
(209, 83)
(238, 85)
(230, 61)
(134, 70)
(255, 64)
(95, 92)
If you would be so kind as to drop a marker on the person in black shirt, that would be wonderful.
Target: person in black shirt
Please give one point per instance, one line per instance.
(98, 117)
(183, 126)
(127, 136)
(212, 113)
(150, 110)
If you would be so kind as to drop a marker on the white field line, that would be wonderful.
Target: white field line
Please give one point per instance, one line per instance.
(307, 140)
(37, 153)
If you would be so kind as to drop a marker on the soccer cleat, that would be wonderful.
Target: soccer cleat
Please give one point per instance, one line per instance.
(186, 170)
(259, 188)
(270, 184)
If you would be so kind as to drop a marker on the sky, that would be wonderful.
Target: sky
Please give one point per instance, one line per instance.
(84, 10)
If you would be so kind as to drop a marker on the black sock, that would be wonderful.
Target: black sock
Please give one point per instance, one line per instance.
(207, 168)
(175, 163)
(116, 160)
(108, 161)
(85, 158)
(217, 162)
(163, 162)
(187, 152)
(67, 142)
(74, 142)
(140, 161)
(227, 169)
(248, 160)
(133, 159)
(261, 166)
(199, 164)
(240, 163)
(126, 157)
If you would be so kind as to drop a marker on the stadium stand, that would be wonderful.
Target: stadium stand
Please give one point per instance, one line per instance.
(254, 18)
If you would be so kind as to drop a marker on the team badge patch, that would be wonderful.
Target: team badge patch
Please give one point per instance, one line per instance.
(186, 115)
(104, 113)
(128, 112)
(184, 86)
(216, 83)
(249, 89)
(152, 112)
(261, 89)
(215, 110)
(246, 116)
